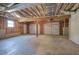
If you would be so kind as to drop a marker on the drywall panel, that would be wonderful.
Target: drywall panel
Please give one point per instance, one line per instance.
(74, 27)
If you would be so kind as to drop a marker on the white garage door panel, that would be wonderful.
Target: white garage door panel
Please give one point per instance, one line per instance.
(55, 28)
(51, 28)
(33, 29)
(25, 28)
(47, 28)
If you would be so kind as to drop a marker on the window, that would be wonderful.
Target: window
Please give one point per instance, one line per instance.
(10, 23)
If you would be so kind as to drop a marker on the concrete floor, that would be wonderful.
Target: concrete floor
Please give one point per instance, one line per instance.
(44, 44)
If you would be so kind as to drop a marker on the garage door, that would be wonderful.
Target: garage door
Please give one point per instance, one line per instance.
(33, 29)
(51, 28)
(47, 28)
(55, 28)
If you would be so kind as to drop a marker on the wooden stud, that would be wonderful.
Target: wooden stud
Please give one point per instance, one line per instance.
(37, 28)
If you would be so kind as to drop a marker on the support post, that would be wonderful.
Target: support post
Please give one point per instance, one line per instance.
(36, 28)
(64, 27)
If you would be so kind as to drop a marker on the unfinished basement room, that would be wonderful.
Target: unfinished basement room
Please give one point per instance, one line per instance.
(39, 28)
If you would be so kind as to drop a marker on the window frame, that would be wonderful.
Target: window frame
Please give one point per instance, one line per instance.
(10, 23)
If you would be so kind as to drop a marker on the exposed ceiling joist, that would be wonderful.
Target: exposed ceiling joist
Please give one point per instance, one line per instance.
(19, 12)
(36, 9)
(57, 8)
(31, 12)
(10, 4)
(32, 8)
(60, 6)
(27, 12)
(15, 15)
(56, 18)
(39, 10)
(69, 6)
(24, 13)
(75, 7)
(43, 8)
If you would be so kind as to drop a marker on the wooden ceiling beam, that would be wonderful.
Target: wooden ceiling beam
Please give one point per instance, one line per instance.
(14, 16)
(16, 13)
(32, 8)
(59, 11)
(20, 13)
(26, 15)
(43, 7)
(66, 4)
(36, 9)
(69, 6)
(28, 11)
(11, 14)
(39, 10)
(57, 8)
(65, 7)
(55, 18)
(25, 10)
(75, 7)
(31, 11)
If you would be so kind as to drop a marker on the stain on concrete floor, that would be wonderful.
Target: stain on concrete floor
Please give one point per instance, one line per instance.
(43, 45)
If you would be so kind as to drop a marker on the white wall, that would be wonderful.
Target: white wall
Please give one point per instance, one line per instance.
(74, 27)
(51, 28)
